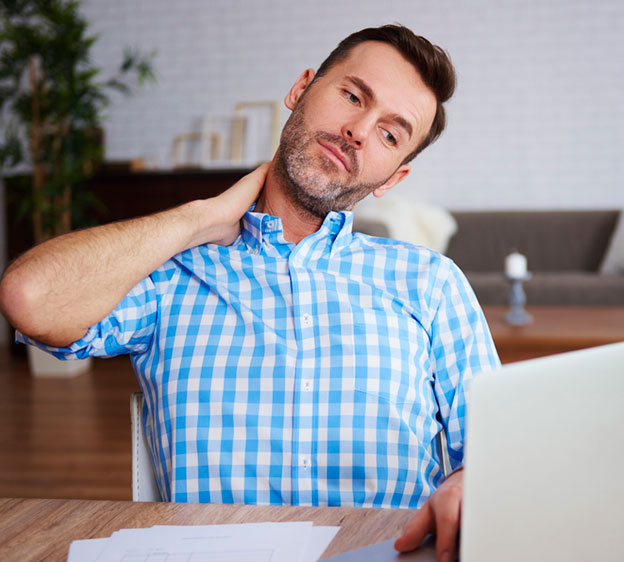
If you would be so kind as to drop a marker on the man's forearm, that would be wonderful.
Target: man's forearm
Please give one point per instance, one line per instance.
(54, 292)
(57, 290)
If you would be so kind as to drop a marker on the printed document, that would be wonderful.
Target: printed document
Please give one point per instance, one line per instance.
(248, 542)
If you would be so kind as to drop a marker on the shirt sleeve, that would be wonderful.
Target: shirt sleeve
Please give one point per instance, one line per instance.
(129, 328)
(462, 347)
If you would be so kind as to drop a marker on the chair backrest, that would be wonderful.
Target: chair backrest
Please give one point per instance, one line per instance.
(444, 456)
(144, 486)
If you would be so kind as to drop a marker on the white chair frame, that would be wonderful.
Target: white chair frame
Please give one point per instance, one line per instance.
(144, 486)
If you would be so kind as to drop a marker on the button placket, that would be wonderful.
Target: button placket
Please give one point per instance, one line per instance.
(303, 438)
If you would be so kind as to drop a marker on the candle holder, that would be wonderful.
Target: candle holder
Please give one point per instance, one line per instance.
(517, 316)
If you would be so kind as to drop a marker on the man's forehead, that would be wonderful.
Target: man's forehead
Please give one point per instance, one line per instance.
(367, 57)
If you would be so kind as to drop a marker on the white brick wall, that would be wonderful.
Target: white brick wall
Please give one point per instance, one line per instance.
(536, 121)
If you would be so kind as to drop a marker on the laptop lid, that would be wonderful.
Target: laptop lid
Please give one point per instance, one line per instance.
(545, 460)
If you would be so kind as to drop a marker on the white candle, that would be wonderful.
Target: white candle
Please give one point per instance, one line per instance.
(516, 266)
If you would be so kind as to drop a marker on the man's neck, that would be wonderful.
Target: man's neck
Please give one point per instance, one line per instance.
(296, 222)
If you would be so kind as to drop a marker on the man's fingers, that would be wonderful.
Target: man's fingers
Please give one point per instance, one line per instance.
(227, 208)
(244, 192)
(416, 530)
(447, 515)
(259, 174)
(252, 183)
(440, 514)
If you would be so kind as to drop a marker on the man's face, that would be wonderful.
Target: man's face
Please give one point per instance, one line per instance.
(349, 133)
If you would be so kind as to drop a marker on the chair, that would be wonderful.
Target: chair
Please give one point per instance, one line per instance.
(144, 486)
(444, 457)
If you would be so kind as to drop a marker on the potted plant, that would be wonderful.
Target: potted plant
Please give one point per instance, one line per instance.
(51, 105)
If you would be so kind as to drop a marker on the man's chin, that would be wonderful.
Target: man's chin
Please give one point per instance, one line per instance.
(314, 208)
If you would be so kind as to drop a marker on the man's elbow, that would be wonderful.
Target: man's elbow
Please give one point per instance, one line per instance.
(29, 307)
(21, 303)
(16, 300)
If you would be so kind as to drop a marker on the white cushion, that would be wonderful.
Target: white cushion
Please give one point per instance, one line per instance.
(613, 261)
(419, 223)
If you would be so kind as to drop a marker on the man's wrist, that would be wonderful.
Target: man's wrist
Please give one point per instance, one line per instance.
(199, 219)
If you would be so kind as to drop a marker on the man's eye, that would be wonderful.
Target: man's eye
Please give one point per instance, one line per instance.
(389, 137)
(352, 97)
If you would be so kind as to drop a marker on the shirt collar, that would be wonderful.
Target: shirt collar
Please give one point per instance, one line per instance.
(261, 231)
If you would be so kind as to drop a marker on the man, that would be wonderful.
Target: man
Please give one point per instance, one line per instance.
(283, 358)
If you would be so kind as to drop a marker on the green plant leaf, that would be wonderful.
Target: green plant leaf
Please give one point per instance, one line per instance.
(53, 92)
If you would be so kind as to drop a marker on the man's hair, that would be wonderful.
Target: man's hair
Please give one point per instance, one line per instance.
(430, 61)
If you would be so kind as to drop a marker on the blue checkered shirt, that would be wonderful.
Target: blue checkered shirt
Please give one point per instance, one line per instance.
(315, 374)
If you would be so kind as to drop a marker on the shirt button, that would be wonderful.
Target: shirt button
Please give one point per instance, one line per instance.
(307, 320)
(307, 385)
(305, 462)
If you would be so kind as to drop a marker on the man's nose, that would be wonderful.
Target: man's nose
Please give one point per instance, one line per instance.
(356, 133)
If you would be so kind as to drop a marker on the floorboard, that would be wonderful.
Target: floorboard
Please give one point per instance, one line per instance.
(66, 437)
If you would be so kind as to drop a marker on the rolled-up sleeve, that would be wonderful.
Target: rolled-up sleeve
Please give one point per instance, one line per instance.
(129, 328)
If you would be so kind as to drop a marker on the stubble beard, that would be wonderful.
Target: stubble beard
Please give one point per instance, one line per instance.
(311, 182)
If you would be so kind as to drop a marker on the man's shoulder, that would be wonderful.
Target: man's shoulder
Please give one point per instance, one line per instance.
(380, 245)
(416, 260)
(199, 261)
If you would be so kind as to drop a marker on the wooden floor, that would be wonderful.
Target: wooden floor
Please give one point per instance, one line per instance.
(66, 438)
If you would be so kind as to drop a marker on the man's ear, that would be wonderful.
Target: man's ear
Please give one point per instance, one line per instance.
(292, 97)
(402, 172)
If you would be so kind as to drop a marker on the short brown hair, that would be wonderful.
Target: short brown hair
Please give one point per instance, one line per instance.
(431, 62)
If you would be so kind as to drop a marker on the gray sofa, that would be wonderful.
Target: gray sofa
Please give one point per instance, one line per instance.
(565, 251)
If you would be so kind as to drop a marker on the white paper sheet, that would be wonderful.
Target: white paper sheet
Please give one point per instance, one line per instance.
(249, 542)
(319, 540)
(86, 550)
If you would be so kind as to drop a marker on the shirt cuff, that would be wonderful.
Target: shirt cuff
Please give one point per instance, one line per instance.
(76, 350)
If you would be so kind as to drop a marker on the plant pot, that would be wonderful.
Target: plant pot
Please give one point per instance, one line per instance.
(43, 364)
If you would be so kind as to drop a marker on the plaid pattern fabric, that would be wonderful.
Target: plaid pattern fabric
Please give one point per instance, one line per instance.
(316, 374)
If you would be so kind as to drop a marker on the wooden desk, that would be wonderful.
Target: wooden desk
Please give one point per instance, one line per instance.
(555, 329)
(34, 530)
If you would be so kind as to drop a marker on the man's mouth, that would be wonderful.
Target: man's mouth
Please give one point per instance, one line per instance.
(335, 154)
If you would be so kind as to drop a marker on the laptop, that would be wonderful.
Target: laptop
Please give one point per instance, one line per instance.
(545, 460)
(544, 476)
